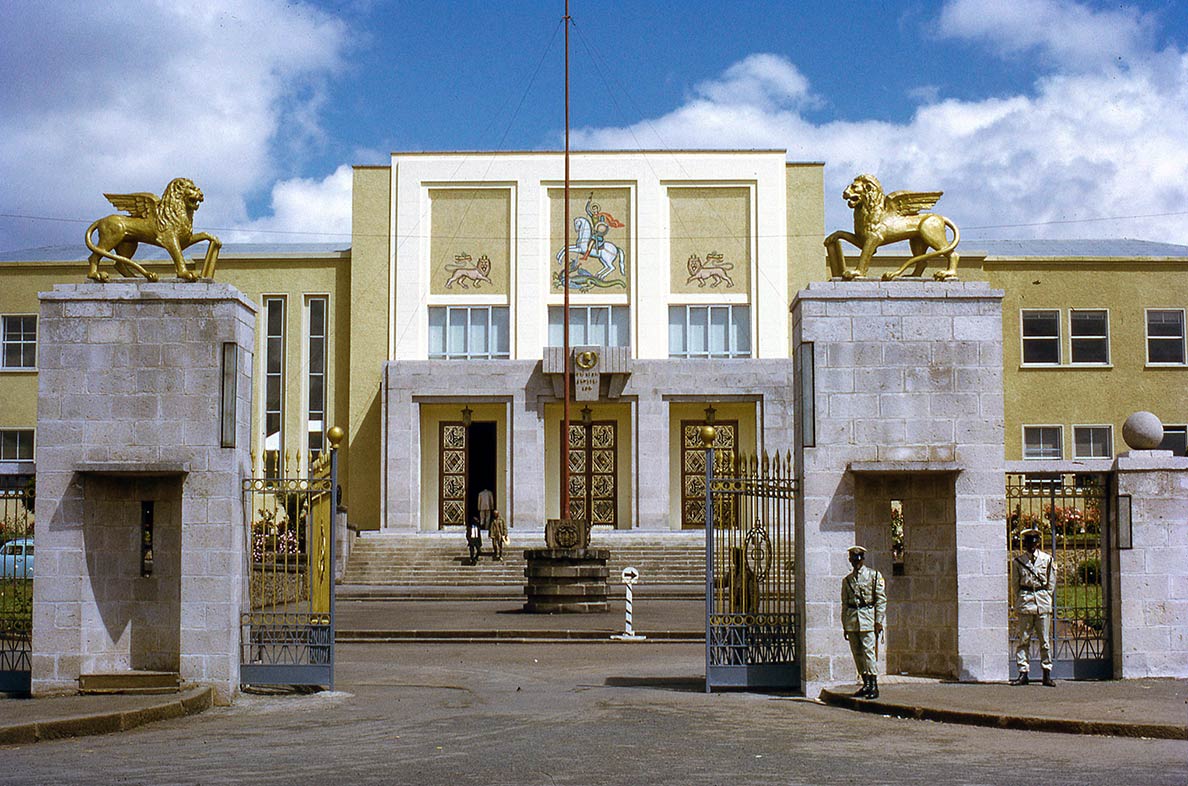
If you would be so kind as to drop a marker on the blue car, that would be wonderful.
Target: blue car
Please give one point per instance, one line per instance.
(16, 559)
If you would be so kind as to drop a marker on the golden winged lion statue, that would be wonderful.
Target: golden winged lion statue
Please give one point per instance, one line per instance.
(167, 222)
(881, 218)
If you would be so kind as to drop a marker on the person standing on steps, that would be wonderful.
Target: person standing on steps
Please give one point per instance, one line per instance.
(498, 534)
(474, 539)
(864, 609)
(486, 504)
(1033, 582)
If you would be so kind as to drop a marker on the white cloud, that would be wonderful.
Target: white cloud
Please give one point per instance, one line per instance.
(103, 97)
(304, 210)
(1095, 141)
(1068, 32)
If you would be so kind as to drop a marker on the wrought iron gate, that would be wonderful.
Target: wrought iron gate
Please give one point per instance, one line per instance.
(750, 576)
(16, 582)
(1070, 510)
(287, 627)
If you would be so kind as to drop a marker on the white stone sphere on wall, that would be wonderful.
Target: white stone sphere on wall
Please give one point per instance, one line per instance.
(1142, 431)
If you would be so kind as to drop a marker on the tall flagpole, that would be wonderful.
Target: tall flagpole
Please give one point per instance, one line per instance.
(565, 284)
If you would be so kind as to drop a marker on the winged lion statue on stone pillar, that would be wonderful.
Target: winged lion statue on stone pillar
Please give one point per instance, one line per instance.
(881, 218)
(167, 222)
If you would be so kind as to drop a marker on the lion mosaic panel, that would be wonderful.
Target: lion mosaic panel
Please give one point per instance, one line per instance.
(166, 222)
(880, 219)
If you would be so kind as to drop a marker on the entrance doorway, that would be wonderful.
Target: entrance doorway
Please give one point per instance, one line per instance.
(466, 465)
(480, 462)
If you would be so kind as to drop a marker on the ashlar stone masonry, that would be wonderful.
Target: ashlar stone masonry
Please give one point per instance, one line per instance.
(129, 413)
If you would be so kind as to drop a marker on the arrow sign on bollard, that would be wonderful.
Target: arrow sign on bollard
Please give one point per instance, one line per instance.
(630, 575)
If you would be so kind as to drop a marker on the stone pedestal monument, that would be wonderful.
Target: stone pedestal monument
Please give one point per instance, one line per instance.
(900, 407)
(143, 438)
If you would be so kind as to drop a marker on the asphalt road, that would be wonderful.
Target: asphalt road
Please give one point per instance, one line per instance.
(602, 713)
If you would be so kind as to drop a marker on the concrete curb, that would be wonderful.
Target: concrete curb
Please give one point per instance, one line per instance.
(189, 702)
(509, 636)
(1023, 723)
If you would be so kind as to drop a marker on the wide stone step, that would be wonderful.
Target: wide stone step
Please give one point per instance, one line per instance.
(135, 682)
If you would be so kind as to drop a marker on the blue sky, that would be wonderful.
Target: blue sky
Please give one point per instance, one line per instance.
(1038, 118)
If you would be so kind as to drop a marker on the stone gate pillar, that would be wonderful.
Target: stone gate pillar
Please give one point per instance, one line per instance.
(144, 417)
(899, 395)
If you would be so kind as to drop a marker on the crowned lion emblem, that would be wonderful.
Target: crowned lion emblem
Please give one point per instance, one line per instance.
(712, 270)
(167, 222)
(462, 271)
(881, 218)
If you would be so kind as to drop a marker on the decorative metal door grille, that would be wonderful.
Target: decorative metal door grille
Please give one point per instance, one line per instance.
(16, 582)
(693, 466)
(1069, 510)
(287, 627)
(750, 581)
(593, 464)
(451, 500)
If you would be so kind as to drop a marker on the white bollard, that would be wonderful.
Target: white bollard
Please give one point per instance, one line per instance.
(630, 576)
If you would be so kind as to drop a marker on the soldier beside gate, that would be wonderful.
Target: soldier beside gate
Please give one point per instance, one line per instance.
(1033, 581)
(864, 609)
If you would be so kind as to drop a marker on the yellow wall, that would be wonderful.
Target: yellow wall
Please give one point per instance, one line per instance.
(806, 225)
(18, 296)
(620, 412)
(367, 347)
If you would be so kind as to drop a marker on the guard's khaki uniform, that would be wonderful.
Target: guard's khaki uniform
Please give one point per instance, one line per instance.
(1033, 581)
(498, 533)
(864, 602)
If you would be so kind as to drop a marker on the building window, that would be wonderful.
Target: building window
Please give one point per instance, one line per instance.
(1175, 439)
(709, 331)
(469, 333)
(274, 385)
(1093, 442)
(19, 334)
(16, 445)
(1165, 335)
(315, 322)
(602, 326)
(1089, 330)
(1043, 442)
(1041, 337)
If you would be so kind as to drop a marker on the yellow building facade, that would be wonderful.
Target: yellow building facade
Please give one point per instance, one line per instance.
(433, 337)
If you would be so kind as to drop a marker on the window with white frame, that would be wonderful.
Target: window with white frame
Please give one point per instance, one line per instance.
(16, 444)
(604, 326)
(1043, 442)
(1089, 335)
(719, 331)
(19, 337)
(469, 333)
(1175, 439)
(274, 385)
(315, 374)
(1093, 442)
(1165, 336)
(1041, 336)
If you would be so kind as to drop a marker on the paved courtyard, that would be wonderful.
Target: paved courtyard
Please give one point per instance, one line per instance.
(590, 713)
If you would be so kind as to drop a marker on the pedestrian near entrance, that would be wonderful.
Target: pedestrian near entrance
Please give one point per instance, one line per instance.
(864, 609)
(1033, 582)
(486, 504)
(498, 533)
(474, 539)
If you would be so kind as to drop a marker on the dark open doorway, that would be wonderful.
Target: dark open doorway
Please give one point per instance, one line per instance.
(480, 463)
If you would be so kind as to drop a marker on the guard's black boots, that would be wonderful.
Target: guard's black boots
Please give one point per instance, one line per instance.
(862, 692)
(873, 693)
(1051, 683)
(1021, 679)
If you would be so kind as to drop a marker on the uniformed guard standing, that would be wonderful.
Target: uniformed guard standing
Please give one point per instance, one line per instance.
(1033, 581)
(864, 609)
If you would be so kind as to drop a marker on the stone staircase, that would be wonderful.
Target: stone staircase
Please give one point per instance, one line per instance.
(440, 560)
